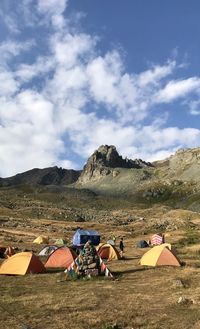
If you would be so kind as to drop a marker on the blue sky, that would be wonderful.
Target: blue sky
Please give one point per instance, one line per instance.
(78, 74)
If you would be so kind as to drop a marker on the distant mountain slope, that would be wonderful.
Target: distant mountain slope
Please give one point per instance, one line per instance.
(183, 165)
(46, 176)
(176, 178)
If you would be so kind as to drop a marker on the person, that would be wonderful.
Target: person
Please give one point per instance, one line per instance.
(121, 247)
(114, 239)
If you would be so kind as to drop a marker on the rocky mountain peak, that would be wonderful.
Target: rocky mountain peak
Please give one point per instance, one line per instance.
(104, 160)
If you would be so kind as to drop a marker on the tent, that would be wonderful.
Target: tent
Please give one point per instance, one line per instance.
(169, 246)
(41, 240)
(159, 255)
(112, 242)
(157, 239)
(46, 251)
(107, 251)
(61, 257)
(82, 236)
(60, 242)
(142, 244)
(22, 263)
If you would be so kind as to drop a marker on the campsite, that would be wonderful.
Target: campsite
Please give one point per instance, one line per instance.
(99, 164)
(136, 296)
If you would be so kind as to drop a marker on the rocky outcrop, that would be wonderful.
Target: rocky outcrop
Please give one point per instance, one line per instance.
(103, 162)
(181, 159)
(184, 165)
(47, 176)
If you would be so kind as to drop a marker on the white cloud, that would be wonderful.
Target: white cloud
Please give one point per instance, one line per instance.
(194, 107)
(10, 23)
(8, 84)
(68, 50)
(53, 11)
(154, 75)
(52, 7)
(73, 98)
(26, 72)
(176, 89)
(10, 48)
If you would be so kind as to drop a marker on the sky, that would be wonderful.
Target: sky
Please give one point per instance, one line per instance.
(77, 74)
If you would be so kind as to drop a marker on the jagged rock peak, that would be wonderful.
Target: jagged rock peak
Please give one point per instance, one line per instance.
(108, 156)
(104, 159)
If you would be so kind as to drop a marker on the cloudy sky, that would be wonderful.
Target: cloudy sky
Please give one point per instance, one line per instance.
(77, 74)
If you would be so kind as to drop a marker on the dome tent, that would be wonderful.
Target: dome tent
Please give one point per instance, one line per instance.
(61, 257)
(107, 251)
(159, 256)
(47, 250)
(41, 240)
(82, 236)
(142, 244)
(21, 264)
(60, 242)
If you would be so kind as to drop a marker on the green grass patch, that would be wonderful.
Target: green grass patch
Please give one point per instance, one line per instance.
(191, 238)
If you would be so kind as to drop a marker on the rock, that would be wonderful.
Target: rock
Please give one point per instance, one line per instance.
(104, 160)
(185, 301)
(178, 284)
(115, 173)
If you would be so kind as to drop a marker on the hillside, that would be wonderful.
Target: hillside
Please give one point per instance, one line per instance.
(46, 176)
(174, 181)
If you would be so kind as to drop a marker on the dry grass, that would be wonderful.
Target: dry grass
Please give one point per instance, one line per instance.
(137, 298)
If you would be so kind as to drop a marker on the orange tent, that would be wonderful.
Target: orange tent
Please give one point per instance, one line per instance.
(159, 256)
(22, 263)
(107, 251)
(61, 257)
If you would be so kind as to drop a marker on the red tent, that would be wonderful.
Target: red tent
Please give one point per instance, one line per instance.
(61, 257)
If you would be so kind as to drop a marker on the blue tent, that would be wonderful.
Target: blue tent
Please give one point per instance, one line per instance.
(82, 236)
(142, 244)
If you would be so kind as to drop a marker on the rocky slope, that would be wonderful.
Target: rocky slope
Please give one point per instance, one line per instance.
(175, 180)
(46, 176)
(183, 165)
(104, 161)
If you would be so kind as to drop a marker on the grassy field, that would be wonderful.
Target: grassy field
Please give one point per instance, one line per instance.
(136, 298)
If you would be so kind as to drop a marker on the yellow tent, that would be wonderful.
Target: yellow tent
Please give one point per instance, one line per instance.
(107, 251)
(159, 255)
(22, 263)
(168, 245)
(41, 240)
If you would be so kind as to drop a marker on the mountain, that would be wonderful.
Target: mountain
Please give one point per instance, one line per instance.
(183, 165)
(46, 176)
(175, 180)
(110, 181)
(103, 162)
